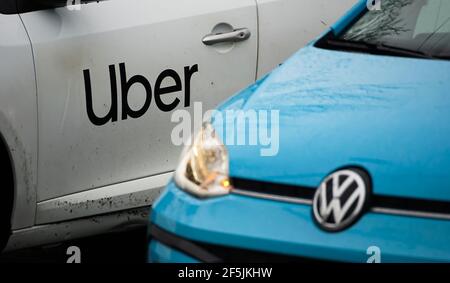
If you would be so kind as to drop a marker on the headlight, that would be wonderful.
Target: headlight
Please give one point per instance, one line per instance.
(203, 170)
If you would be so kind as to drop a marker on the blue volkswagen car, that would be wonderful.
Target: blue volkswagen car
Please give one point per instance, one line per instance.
(362, 169)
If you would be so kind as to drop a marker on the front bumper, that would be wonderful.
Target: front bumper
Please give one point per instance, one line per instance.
(167, 247)
(286, 230)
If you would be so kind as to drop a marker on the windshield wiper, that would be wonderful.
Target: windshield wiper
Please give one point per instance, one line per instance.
(378, 48)
(402, 50)
(444, 56)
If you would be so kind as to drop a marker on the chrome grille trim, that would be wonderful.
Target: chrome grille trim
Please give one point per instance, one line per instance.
(273, 197)
(402, 212)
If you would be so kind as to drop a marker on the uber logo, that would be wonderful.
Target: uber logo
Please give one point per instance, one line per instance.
(127, 83)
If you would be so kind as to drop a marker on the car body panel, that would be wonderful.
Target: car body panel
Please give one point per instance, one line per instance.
(385, 114)
(341, 24)
(287, 228)
(18, 114)
(334, 107)
(284, 25)
(82, 165)
(161, 253)
(48, 234)
(116, 197)
(149, 37)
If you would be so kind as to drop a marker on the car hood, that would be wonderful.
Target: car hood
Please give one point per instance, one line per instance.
(388, 115)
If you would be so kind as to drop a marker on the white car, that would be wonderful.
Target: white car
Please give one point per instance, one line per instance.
(87, 90)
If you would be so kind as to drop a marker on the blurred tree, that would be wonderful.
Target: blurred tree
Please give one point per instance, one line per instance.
(380, 23)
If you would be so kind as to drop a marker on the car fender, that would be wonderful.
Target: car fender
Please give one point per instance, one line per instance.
(18, 116)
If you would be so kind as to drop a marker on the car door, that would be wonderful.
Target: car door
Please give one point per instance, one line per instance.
(110, 74)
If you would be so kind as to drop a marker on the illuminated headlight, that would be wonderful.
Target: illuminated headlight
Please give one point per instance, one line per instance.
(203, 170)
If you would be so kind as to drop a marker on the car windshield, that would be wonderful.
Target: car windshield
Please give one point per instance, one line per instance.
(420, 27)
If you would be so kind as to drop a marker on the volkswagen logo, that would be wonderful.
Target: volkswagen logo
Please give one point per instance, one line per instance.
(341, 199)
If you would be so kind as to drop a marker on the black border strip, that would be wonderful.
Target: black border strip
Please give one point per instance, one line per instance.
(8, 7)
(26, 6)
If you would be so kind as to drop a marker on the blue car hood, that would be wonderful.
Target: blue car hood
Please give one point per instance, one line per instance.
(389, 115)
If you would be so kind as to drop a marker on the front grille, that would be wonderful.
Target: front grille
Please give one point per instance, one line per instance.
(273, 188)
(282, 192)
(379, 203)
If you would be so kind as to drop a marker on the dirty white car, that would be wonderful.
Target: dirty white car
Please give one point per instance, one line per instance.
(86, 94)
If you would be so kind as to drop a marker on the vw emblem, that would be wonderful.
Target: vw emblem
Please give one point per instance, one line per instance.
(341, 199)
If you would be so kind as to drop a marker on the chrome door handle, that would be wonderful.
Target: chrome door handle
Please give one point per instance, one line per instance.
(234, 36)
